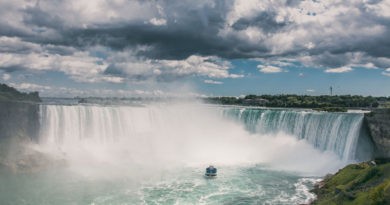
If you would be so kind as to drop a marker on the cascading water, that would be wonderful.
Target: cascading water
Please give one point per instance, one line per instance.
(156, 154)
(336, 132)
(195, 134)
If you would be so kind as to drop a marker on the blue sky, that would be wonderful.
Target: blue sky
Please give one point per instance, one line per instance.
(301, 80)
(206, 47)
(295, 80)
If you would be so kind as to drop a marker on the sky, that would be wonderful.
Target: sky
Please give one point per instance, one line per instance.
(127, 48)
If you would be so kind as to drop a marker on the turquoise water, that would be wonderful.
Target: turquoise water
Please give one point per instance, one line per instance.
(234, 185)
(158, 154)
(336, 132)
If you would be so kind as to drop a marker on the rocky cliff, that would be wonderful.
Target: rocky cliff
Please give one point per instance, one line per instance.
(19, 115)
(19, 122)
(19, 126)
(378, 122)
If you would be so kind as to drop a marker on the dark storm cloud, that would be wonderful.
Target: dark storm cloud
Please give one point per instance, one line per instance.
(11, 31)
(191, 31)
(113, 70)
(61, 50)
(13, 68)
(264, 20)
(35, 16)
(195, 28)
(17, 47)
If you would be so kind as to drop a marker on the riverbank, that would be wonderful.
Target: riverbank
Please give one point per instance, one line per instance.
(362, 183)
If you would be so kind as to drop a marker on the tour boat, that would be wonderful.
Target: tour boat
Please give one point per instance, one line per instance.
(211, 171)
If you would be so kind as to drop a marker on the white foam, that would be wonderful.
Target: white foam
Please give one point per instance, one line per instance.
(143, 141)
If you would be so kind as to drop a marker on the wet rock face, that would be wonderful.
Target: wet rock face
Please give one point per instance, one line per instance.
(19, 124)
(19, 120)
(378, 123)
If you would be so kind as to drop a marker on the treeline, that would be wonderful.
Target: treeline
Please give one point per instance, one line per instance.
(302, 101)
(8, 93)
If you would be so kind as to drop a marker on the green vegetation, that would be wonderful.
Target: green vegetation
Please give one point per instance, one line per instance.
(332, 109)
(11, 94)
(385, 105)
(364, 183)
(324, 102)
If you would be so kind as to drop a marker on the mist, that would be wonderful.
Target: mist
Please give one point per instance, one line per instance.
(120, 141)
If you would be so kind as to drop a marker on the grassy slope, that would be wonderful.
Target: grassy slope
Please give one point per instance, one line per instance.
(357, 184)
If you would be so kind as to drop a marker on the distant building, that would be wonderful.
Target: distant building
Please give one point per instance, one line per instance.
(383, 103)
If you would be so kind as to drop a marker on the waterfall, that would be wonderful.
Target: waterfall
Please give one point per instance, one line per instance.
(336, 132)
(62, 124)
(198, 133)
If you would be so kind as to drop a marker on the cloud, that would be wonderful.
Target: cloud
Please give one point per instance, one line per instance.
(213, 82)
(114, 67)
(282, 28)
(386, 72)
(80, 66)
(6, 76)
(16, 45)
(310, 90)
(30, 86)
(127, 66)
(343, 69)
(270, 69)
(163, 36)
(368, 65)
(158, 22)
(55, 91)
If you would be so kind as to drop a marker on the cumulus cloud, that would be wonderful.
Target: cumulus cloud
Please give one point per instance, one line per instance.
(6, 76)
(270, 69)
(213, 82)
(386, 72)
(343, 69)
(80, 66)
(310, 90)
(30, 86)
(175, 39)
(57, 91)
(116, 67)
(250, 28)
(158, 22)
(127, 66)
(16, 45)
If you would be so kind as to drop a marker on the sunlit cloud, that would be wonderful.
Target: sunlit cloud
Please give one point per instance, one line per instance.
(343, 69)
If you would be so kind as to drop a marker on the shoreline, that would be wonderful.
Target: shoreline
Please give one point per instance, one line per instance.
(361, 183)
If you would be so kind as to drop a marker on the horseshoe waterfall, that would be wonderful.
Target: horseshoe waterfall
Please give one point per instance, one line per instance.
(156, 154)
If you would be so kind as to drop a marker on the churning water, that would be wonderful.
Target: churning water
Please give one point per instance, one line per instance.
(157, 155)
